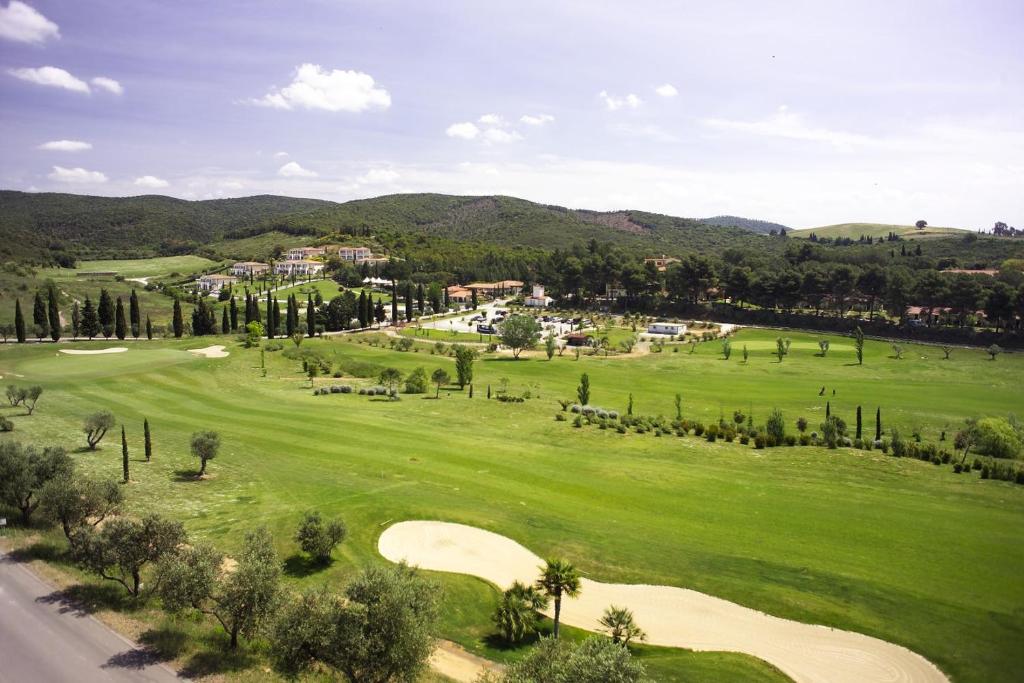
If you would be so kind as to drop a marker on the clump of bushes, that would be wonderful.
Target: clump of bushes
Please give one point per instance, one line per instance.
(334, 389)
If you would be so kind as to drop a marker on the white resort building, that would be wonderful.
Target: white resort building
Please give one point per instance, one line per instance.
(247, 268)
(215, 282)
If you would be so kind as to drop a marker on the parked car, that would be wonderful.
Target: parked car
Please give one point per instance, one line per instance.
(485, 329)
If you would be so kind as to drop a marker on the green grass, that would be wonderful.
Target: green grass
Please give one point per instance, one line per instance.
(855, 230)
(894, 548)
(149, 267)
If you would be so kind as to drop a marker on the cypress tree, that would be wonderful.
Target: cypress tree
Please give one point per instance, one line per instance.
(277, 316)
(294, 313)
(53, 313)
(106, 313)
(828, 409)
(394, 302)
(471, 391)
(858, 422)
(149, 328)
(76, 319)
(408, 301)
(447, 303)
(40, 320)
(270, 318)
(124, 455)
(90, 319)
(878, 424)
(134, 314)
(378, 312)
(474, 300)
(149, 441)
(19, 322)
(120, 326)
(419, 297)
(248, 308)
(176, 322)
(488, 391)
(233, 314)
(256, 314)
(361, 308)
(225, 322)
(310, 317)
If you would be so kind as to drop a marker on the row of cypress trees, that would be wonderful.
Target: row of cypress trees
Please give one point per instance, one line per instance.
(89, 320)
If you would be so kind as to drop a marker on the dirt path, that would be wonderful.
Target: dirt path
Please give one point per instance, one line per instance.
(674, 617)
(454, 662)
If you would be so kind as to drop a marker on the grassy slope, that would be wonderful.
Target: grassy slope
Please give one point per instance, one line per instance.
(898, 549)
(855, 230)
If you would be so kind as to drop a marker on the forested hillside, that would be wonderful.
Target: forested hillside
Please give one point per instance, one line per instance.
(751, 224)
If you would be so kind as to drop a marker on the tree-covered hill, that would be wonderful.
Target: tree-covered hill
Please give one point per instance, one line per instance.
(751, 224)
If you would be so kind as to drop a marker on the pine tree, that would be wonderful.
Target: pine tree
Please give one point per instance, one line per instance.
(106, 313)
(40, 320)
(176, 322)
(149, 328)
(19, 322)
(76, 319)
(225, 322)
(53, 313)
(134, 314)
(149, 442)
(419, 298)
(233, 314)
(90, 319)
(878, 424)
(858, 423)
(310, 317)
(120, 325)
(124, 453)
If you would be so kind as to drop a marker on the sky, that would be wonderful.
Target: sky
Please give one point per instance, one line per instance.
(805, 113)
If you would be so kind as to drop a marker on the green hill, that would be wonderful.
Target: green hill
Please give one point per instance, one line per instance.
(751, 224)
(856, 230)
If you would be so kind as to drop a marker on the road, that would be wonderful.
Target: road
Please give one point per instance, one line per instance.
(44, 638)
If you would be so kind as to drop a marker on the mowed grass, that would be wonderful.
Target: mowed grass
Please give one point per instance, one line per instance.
(894, 548)
(150, 267)
(855, 230)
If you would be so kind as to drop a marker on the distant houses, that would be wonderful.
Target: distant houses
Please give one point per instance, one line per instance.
(674, 329)
(661, 262)
(305, 253)
(249, 269)
(537, 298)
(355, 254)
(215, 282)
(457, 294)
(299, 267)
(490, 290)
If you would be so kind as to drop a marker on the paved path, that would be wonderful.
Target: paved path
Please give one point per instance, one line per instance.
(42, 638)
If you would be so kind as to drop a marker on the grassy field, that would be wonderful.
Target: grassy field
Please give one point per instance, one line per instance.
(895, 548)
(855, 230)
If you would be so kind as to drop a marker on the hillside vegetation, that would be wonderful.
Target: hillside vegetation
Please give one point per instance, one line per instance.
(751, 224)
(856, 230)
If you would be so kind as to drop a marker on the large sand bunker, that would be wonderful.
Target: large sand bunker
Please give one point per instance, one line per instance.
(211, 351)
(674, 617)
(93, 352)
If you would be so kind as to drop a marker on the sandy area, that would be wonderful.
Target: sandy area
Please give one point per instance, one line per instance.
(93, 352)
(142, 280)
(674, 617)
(211, 351)
(457, 664)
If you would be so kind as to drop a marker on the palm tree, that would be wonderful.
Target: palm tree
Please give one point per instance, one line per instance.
(618, 622)
(559, 578)
(518, 610)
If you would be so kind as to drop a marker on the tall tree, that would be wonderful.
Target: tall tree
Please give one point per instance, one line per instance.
(90, 319)
(464, 357)
(134, 314)
(53, 312)
(225, 321)
(40, 319)
(878, 424)
(177, 323)
(408, 301)
(233, 313)
(583, 390)
(291, 317)
(277, 317)
(124, 456)
(270, 317)
(394, 302)
(106, 313)
(310, 316)
(149, 328)
(361, 308)
(120, 325)
(76, 320)
(859, 423)
(19, 322)
(559, 578)
(420, 298)
(858, 343)
(148, 439)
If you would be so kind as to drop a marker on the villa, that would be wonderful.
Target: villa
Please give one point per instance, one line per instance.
(355, 254)
(458, 294)
(538, 299)
(299, 267)
(493, 289)
(661, 262)
(249, 268)
(215, 282)
(305, 253)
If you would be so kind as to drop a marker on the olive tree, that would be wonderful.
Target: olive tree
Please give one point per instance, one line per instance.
(75, 501)
(95, 427)
(317, 538)
(595, 660)
(25, 470)
(440, 377)
(205, 446)
(519, 333)
(122, 547)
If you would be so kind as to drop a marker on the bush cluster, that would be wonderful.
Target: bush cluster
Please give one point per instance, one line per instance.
(333, 389)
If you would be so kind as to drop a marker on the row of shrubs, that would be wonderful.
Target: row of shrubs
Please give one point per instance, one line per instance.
(333, 389)
(362, 391)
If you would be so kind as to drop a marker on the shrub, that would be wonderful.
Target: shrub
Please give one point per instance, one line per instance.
(790, 439)
(578, 422)
(775, 426)
(577, 408)
(984, 471)
(805, 440)
(958, 468)
(744, 439)
(996, 437)
(760, 441)
(613, 415)
(698, 428)
(559, 417)
(620, 428)
(899, 446)
(6, 425)
(858, 443)
(416, 382)
(977, 464)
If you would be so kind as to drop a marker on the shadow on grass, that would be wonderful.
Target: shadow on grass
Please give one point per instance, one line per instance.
(216, 658)
(506, 359)
(86, 449)
(186, 475)
(301, 566)
(84, 598)
(40, 550)
(159, 645)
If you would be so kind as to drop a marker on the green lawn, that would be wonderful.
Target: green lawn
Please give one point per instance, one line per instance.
(855, 230)
(148, 267)
(894, 548)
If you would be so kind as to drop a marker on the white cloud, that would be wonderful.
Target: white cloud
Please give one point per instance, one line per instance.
(76, 175)
(466, 130)
(538, 120)
(379, 176)
(108, 84)
(791, 126)
(65, 146)
(614, 103)
(316, 88)
(293, 170)
(666, 90)
(491, 120)
(151, 182)
(280, 155)
(500, 137)
(51, 76)
(231, 185)
(24, 24)
(648, 130)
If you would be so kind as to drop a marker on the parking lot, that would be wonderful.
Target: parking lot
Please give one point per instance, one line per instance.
(492, 313)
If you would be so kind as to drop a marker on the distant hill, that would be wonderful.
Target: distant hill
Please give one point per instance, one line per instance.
(42, 226)
(855, 230)
(751, 224)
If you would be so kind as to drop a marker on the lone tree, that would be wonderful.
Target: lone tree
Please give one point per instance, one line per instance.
(558, 578)
(380, 631)
(464, 357)
(618, 622)
(858, 342)
(921, 225)
(440, 377)
(550, 345)
(993, 351)
(878, 424)
(390, 377)
(96, 426)
(19, 322)
(780, 348)
(823, 345)
(205, 446)
(518, 612)
(241, 600)
(124, 456)
(318, 538)
(74, 501)
(30, 397)
(119, 550)
(583, 390)
(25, 470)
(519, 333)
(148, 439)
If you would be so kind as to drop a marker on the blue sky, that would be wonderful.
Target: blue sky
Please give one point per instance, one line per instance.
(806, 113)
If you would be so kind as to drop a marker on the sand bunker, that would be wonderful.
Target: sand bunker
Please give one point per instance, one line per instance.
(93, 352)
(211, 352)
(674, 617)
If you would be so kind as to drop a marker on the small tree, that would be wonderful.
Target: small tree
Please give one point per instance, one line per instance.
(780, 348)
(390, 377)
(859, 423)
(897, 351)
(519, 333)
(629, 405)
(74, 501)
(205, 446)
(858, 343)
(25, 470)
(993, 351)
(946, 350)
(317, 538)
(550, 345)
(119, 550)
(241, 601)
(775, 426)
(618, 622)
(823, 345)
(96, 426)
(517, 614)
(440, 377)
(878, 424)
(679, 405)
(746, 355)
(726, 348)
(30, 397)
(583, 390)
(149, 441)
(558, 578)
(801, 424)
(124, 456)
(416, 382)
(312, 370)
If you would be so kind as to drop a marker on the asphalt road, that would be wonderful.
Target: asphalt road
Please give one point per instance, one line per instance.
(44, 639)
